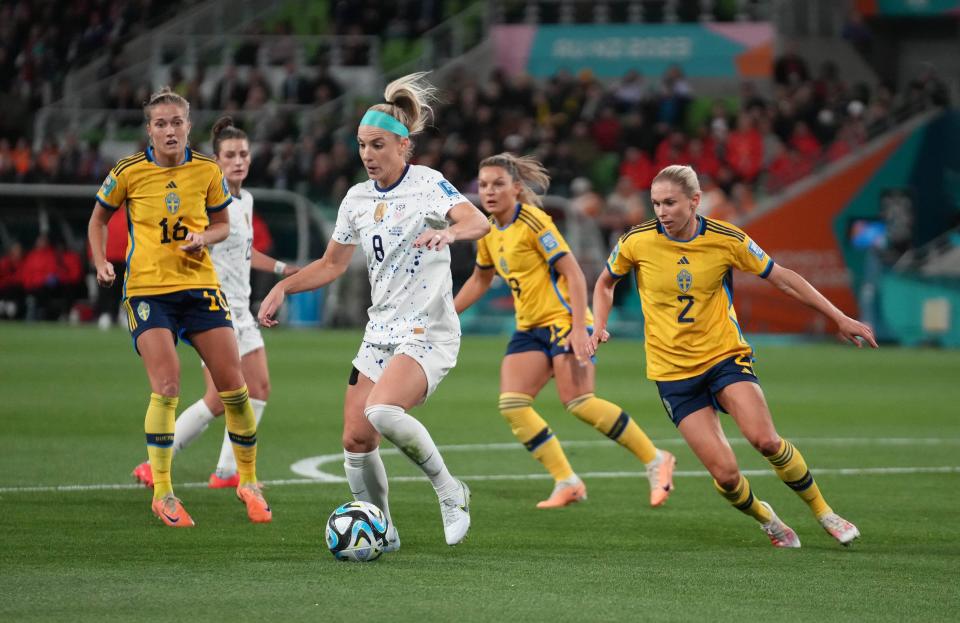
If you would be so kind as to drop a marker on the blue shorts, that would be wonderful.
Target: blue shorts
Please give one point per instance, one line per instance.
(183, 313)
(551, 341)
(683, 397)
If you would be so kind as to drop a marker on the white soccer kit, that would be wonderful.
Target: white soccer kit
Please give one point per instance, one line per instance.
(411, 288)
(232, 258)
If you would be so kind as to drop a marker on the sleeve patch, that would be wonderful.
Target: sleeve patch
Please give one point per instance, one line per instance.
(226, 189)
(756, 250)
(549, 242)
(448, 188)
(108, 185)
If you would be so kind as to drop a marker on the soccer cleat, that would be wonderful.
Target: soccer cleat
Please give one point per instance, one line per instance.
(171, 512)
(839, 528)
(565, 493)
(216, 482)
(257, 508)
(781, 535)
(660, 475)
(392, 542)
(143, 474)
(455, 511)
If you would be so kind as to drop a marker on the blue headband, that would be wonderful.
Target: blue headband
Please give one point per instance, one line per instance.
(382, 120)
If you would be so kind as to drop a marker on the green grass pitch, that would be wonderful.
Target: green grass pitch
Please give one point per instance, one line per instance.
(880, 430)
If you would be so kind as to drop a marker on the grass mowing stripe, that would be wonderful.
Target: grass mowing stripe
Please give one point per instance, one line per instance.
(843, 471)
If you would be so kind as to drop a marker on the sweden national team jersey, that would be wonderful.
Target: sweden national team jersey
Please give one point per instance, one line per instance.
(524, 253)
(686, 288)
(164, 204)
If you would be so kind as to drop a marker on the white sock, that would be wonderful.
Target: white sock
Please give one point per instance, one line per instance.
(368, 478)
(227, 463)
(412, 438)
(191, 425)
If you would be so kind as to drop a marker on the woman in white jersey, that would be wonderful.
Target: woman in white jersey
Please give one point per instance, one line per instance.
(233, 259)
(404, 217)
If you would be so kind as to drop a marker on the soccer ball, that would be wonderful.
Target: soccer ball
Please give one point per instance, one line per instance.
(357, 531)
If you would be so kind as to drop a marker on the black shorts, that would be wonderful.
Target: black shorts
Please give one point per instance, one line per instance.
(183, 313)
(683, 397)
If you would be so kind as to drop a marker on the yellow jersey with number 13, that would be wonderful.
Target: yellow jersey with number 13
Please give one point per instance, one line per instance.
(163, 205)
(524, 253)
(686, 288)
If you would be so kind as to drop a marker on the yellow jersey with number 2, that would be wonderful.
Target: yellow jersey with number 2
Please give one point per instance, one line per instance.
(686, 289)
(164, 204)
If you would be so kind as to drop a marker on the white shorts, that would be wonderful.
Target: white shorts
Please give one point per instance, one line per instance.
(245, 330)
(435, 358)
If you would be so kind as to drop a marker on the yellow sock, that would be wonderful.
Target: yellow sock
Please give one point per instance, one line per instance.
(242, 428)
(792, 469)
(613, 422)
(159, 425)
(743, 500)
(534, 433)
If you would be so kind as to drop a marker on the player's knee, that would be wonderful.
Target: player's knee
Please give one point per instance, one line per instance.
(767, 445)
(356, 441)
(727, 477)
(169, 386)
(260, 390)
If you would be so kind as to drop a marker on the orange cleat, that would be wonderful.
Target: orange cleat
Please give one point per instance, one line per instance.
(257, 508)
(565, 494)
(216, 482)
(660, 475)
(143, 474)
(171, 512)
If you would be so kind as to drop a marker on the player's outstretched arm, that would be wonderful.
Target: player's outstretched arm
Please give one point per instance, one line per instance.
(475, 287)
(850, 330)
(311, 277)
(97, 237)
(602, 303)
(263, 262)
(583, 347)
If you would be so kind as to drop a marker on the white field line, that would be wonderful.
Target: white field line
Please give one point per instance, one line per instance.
(312, 472)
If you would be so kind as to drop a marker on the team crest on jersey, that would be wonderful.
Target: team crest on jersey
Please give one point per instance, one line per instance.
(143, 310)
(549, 242)
(108, 185)
(684, 280)
(504, 267)
(756, 250)
(379, 213)
(172, 201)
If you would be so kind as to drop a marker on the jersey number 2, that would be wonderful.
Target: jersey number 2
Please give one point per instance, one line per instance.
(685, 298)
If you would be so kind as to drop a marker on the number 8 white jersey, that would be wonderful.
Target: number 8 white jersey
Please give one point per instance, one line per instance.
(232, 256)
(411, 288)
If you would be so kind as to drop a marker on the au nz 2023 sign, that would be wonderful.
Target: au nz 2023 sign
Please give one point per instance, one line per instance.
(702, 50)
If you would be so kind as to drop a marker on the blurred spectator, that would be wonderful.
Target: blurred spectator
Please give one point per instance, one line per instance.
(41, 274)
(790, 69)
(623, 208)
(637, 167)
(11, 283)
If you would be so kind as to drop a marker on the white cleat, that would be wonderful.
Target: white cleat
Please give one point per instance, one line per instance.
(781, 535)
(455, 511)
(839, 528)
(393, 540)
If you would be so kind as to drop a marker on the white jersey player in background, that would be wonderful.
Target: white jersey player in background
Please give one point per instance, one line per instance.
(233, 259)
(400, 218)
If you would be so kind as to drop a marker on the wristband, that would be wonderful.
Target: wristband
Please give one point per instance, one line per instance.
(279, 267)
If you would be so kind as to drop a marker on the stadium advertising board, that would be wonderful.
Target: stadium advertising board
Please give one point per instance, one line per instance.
(908, 8)
(609, 51)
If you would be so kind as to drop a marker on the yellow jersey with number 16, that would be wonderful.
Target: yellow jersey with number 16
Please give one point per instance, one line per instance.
(163, 205)
(686, 289)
